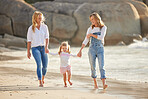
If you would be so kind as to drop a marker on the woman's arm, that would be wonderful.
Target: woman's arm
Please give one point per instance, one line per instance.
(85, 42)
(103, 33)
(80, 52)
(28, 49)
(47, 40)
(46, 46)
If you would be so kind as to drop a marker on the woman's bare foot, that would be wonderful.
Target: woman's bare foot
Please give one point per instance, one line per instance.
(43, 81)
(105, 86)
(70, 82)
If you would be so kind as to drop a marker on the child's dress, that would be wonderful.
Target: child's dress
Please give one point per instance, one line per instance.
(64, 61)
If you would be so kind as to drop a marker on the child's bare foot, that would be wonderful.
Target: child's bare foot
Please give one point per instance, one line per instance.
(70, 82)
(105, 86)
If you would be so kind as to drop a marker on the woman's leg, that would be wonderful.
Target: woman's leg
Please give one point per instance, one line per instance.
(64, 78)
(92, 61)
(37, 56)
(44, 58)
(101, 68)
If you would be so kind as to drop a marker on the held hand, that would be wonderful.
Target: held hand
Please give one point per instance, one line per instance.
(28, 55)
(46, 50)
(79, 54)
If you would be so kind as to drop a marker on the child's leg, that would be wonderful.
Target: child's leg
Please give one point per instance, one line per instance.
(64, 78)
(69, 77)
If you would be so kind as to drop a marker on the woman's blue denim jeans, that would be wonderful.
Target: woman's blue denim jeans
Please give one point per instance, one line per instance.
(40, 57)
(96, 50)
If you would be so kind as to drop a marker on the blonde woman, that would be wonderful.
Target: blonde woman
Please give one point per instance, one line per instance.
(96, 33)
(37, 40)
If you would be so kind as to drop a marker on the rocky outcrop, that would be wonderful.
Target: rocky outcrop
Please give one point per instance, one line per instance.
(119, 21)
(20, 14)
(56, 7)
(5, 25)
(9, 41)
(64, 26)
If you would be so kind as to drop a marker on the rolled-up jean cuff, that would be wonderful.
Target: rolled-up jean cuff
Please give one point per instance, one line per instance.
(94, 76)
(103, 78)
(39, 78)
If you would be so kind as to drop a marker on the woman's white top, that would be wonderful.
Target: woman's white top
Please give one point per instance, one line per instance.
(94, 30)
(64, 58)
(38, 37)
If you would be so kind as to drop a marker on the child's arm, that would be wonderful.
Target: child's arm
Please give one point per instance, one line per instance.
(53, 53)
(73, 55)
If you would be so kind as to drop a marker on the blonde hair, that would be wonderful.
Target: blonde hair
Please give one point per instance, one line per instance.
(97, 17)
(34, 19)
(65, 43)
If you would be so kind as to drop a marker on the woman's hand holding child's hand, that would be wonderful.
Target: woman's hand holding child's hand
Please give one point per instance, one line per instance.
(79, 54)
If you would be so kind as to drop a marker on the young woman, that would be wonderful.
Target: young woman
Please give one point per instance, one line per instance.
(96, 33)
(37, 39)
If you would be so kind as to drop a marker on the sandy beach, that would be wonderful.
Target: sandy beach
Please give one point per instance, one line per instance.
(17, 82)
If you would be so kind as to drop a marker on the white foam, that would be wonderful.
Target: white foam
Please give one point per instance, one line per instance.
(139, 44)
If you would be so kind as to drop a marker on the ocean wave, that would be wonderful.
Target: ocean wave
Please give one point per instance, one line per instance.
(139, 44)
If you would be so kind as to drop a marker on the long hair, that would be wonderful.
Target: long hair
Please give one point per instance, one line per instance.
(98, 18)
(34, 19)
(65, 43)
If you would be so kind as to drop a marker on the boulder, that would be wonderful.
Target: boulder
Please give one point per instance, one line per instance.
(9, 40)
(20, 13)
(143, 13)
(144, 25)
(56, 7)
(92, 1)
(64, 27)
(120, 18)
(5, 25)
(54, 40)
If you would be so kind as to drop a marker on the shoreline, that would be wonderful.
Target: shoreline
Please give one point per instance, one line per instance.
(18, 80)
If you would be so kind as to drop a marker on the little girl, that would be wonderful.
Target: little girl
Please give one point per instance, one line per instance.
(65, 67)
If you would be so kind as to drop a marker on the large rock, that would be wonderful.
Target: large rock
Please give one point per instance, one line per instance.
(20, 12)
(141, 8)
(64, 27)
(92, 1)
(5, 25)
(9, 40)
(143, 13)
(56, 7)
(144, 25)
(120, 18)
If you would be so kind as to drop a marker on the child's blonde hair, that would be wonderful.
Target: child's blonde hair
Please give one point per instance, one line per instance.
(65, 43)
